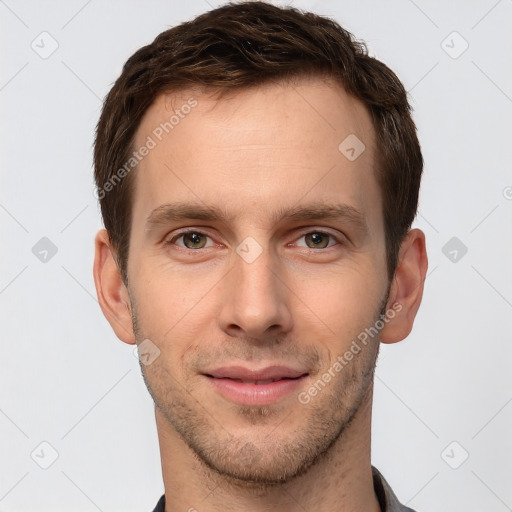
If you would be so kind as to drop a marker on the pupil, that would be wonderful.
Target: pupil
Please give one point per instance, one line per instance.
(318, 239)
(194, 238)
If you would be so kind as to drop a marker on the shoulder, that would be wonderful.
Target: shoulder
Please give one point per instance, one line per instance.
(387, 498)
(160, 506)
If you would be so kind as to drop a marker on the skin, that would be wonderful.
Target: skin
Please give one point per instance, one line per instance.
(257, 150)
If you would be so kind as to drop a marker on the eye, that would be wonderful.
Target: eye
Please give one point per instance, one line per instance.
(318, 240)
(191, 240)
(194, 240)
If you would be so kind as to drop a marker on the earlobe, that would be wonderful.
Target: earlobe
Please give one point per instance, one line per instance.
(111, 291)
(407, 287)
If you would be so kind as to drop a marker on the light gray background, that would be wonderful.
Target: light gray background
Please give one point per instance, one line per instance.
(68, 381)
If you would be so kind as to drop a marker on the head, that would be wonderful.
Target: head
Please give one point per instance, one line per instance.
(258, 175)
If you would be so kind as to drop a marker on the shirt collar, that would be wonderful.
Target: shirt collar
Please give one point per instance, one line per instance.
(387, 499)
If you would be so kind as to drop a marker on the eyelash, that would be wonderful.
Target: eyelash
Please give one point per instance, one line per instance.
(325, 233)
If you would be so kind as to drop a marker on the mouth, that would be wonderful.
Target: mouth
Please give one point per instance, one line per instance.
(256, 387)
(257, 382)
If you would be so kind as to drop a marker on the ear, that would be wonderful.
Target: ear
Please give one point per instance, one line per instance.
(407, 287)
(112, 292)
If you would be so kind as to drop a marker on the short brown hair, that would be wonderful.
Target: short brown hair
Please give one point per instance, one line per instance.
(246, 44)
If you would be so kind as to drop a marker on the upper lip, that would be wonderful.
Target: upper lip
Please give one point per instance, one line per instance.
(270, 372)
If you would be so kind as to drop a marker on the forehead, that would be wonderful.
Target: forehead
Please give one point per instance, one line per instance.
(257, 149)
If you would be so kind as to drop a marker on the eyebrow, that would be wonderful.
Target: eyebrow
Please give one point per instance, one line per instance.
(172, 212)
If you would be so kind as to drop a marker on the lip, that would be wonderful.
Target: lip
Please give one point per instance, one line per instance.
(247, 374)
(285, 381)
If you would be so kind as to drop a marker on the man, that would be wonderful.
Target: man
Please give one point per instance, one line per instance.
(258, 174)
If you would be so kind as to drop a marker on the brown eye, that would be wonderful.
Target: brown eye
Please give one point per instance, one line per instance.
(191, 240)
(317, 240)
(194, 240)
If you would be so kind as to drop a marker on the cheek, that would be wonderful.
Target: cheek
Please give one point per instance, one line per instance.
(168, 316)
(167, 299)
(345, 302)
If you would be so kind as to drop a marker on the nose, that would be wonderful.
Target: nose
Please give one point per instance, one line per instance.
(256, 299)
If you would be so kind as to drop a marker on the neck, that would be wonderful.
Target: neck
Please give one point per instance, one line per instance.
(341, 480)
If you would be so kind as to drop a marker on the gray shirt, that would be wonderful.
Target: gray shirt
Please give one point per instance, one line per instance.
(387, 500)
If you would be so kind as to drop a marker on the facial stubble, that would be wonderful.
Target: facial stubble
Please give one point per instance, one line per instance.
(269, 458)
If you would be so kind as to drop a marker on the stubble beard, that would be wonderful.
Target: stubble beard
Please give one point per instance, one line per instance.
(270, 457)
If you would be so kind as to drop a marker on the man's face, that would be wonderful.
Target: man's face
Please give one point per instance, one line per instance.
(258, 288)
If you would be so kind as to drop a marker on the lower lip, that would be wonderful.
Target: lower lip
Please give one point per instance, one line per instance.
(256, 394)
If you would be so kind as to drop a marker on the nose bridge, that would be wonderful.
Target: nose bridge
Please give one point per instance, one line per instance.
(256, 297)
